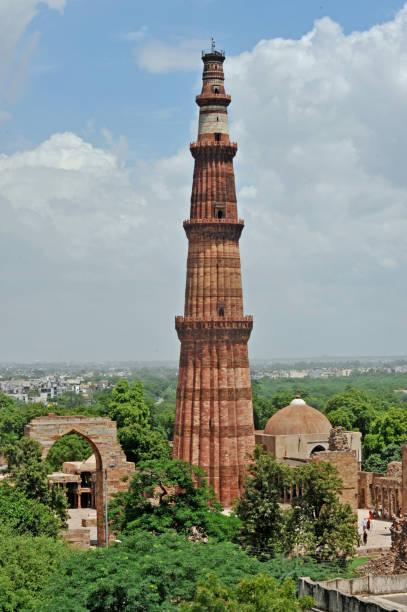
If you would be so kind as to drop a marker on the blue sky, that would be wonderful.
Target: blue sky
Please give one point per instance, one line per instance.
(96, 114)
(84, 76)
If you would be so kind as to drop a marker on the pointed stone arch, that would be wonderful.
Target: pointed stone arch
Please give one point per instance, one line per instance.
(101, 434)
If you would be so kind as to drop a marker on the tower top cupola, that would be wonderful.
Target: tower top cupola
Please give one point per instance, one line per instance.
(213, 54)
(213, 100)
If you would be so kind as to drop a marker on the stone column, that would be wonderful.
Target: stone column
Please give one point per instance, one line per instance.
(404, 479)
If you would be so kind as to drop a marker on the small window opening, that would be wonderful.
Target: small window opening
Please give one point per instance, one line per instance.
(220, 214)
(221, 311)
(215, 89)
(217, 136)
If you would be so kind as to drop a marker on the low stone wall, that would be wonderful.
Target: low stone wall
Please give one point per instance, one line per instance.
(78, 538)
(341, 595)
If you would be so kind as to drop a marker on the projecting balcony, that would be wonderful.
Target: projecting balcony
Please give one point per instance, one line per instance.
(220, 99)
(204, 318)
(216, 53)
(214, 221)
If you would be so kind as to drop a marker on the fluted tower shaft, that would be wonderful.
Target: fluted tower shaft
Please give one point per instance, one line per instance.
(214, 413)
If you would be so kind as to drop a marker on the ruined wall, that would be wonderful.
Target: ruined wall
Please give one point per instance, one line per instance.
(346, 462)
(101, 433)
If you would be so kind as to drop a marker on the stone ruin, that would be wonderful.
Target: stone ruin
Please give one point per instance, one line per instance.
(338, 440)
(111, 466)
(395, 560)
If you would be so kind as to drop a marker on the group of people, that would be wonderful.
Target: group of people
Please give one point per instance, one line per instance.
(367, 525)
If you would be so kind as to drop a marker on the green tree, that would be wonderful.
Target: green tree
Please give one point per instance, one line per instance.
(71, 447)
(141, 443)
(14, 415)
(353, 409)
(341, 417)
(27, 564)
(258, 593)
(28, 473)
(389, 428)
(131, 412)
(24, 515)
(163, 418)
(150, 572)
(377, 462)
(319, 524)
(127, 405)
(170, 494)
(262, 532)
(71, 402)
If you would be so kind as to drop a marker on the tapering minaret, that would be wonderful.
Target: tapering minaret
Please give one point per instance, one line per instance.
(214, 413)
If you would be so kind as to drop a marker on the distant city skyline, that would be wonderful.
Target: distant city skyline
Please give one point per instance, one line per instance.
(96, 115)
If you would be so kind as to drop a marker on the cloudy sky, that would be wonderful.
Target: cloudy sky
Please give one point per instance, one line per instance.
(96, 115)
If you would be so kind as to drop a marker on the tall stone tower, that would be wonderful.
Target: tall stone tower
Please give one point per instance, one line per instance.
(214, 414)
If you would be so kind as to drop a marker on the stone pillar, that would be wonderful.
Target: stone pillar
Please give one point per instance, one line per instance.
(214, 413)
(404, 479)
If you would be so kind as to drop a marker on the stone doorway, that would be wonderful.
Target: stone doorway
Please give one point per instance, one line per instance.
(101, 433)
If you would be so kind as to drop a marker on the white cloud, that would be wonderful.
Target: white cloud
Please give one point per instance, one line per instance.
(77, 204)
(135, 36)
(321, 124)
(158, 56)
(322, 129)
(15, 16)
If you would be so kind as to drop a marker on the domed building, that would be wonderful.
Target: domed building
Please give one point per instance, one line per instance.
(297, 431)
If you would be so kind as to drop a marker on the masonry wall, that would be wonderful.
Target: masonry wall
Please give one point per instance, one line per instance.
(342, 595)
(101, 433)
(346, 462)
(293, 446)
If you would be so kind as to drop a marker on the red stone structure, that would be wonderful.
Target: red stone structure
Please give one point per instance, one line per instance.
(101, 433)
(214, 415)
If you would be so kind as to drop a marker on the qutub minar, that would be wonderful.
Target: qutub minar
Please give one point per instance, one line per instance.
(214, 414)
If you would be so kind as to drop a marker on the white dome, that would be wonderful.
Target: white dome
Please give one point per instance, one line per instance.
(297, 402)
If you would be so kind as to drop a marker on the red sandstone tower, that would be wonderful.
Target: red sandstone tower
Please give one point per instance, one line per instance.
(214, 415)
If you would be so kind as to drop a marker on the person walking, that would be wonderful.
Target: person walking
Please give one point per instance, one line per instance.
(364, 537)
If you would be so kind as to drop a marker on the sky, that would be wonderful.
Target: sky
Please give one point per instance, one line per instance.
(96, 115)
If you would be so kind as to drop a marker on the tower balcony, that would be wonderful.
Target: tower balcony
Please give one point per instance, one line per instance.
(215, 229)
(219, 99)
(214, 55)
(244, 321)
(213, 149)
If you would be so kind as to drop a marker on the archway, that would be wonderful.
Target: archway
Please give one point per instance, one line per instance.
(317, 449)
(101, 433)
(72, 463)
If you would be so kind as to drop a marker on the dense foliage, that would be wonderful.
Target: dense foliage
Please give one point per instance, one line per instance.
(158, 572)
(25, 515)
(171, 494)
(128, 407)
(254, 594)
(71, 447)
(26, 563)
(156, 567)
(371, 404)
(317, 524)
(29, 476)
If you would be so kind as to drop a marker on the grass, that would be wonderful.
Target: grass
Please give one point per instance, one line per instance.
(354, 564)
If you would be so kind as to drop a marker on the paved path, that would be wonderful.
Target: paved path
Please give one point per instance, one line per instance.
(378, 536)
(75, 521)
